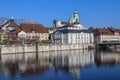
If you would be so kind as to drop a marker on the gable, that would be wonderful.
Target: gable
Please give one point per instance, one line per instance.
(9, 23)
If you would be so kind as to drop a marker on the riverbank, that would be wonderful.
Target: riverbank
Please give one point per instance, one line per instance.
(6, 49)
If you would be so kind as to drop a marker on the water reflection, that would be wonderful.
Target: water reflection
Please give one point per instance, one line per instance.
(107, 58)
(68, 62)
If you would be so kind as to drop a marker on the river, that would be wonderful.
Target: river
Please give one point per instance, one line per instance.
(61, 65)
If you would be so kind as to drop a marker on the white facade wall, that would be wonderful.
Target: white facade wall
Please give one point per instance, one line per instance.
(107, 38)
(22, 34)
(40, 36)
(73, 38)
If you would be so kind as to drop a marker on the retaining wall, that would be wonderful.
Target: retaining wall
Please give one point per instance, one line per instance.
(32, 48)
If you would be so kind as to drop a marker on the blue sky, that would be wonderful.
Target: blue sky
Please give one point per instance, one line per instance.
(96, 13)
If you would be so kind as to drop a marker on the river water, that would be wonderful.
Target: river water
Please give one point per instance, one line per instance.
(61, 65)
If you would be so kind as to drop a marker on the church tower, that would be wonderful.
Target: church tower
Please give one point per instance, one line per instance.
(75, 17)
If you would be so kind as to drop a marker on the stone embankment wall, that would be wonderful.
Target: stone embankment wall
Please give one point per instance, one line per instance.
(33, 48)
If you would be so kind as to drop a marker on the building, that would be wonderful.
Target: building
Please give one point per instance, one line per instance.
(35, 32)
(12, 38)
(74, 20)
(71, 35)
(3, 36)
(71, 32)
(9, 25)
(117, 29)
(51, 30)
(8, 37)
(106, 35)
(7, 32)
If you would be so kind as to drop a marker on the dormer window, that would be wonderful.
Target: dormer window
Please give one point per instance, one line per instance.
(32, 30)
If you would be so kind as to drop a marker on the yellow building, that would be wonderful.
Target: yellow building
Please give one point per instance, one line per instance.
(3, 36)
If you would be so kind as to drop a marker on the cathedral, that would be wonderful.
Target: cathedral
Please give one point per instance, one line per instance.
(71, 32)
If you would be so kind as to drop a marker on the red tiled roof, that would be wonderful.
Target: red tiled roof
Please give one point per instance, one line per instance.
(37, 28)
(103, 31)
(18, 30)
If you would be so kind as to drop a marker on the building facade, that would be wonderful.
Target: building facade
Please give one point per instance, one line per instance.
(3, 36)
(69, 35)
(7, 32)
(33, 32)
(106, 35)
(71, 32)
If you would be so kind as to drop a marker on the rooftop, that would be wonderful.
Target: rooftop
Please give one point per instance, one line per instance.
(11, 23)
(103, 31)
(29, 28)
(74, 31)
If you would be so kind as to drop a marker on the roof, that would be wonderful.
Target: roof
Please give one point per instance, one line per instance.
(66, 26)
(76, 22)
(11, 23)
(103, 31)
(29, 28)
(112, 29)
(63, 22)
(68, 23)
(74, 31)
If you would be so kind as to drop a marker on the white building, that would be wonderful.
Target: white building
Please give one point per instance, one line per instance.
(72, 35)
(105, 35)
(71, 32)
